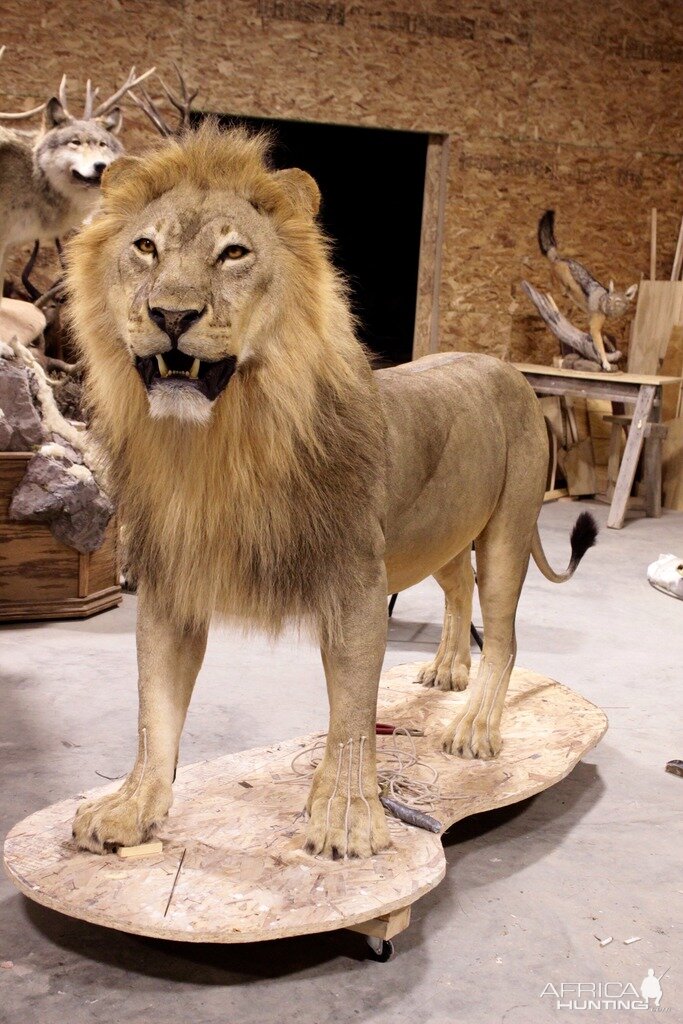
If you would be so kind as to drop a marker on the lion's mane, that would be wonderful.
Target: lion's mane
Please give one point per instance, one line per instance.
(262, 515)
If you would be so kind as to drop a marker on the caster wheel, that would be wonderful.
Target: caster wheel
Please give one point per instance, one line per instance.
(382, 949)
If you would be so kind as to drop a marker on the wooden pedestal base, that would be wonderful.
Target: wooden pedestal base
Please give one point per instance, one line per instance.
(232, 868)
(41, 578)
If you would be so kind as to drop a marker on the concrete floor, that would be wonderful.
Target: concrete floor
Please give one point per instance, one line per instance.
(528, 888)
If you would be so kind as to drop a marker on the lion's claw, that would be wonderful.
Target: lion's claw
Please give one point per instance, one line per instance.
(346, 829)
(115, 820)
(470, 738)
(444, 677)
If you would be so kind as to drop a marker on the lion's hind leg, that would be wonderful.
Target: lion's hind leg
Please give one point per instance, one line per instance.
(450, 669)
(502, 560)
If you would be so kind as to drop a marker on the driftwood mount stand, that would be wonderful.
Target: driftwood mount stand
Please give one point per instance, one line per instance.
(232, 868)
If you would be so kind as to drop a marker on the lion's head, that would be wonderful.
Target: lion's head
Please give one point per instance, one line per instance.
(199, 242)
(240, 421)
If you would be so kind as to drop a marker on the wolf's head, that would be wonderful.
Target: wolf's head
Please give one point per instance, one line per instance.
(73, 153)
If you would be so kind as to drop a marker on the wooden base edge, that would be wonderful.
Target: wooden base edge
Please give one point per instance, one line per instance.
(384, 927)
(71, 608)
(557, 492)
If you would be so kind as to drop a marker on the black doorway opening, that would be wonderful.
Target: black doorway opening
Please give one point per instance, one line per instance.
(372, 185)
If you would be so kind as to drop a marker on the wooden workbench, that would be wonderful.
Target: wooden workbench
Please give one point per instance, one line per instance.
(643, 391)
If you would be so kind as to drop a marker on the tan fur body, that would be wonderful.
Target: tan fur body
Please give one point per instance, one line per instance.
(314, 487)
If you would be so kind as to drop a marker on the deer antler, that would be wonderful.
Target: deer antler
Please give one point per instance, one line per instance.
(22, 113)
(182, 103)
(62, 95)
(90, 97)
(130, 82)
(149, 107)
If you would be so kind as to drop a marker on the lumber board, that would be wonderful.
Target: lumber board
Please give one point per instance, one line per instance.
(677, 265)
(652, 473)
(608, 379)
(232, 867)
(576, 461)
(426, 331)
(149, 849)
(385, 927)
(629, 462)
(590, 389)
(659, 308)
(600, 432)
(579, 469)
(672, 465)
(673, 364)
(555, 494)
(614, 457)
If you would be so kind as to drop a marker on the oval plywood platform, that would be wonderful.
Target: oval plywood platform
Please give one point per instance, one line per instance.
(232, 868)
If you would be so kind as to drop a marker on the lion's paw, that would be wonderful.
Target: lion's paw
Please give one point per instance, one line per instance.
(341, 828)
(442, 677)
(469, 737)
(119, 820)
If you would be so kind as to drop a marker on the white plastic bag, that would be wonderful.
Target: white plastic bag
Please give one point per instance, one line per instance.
(666, 574)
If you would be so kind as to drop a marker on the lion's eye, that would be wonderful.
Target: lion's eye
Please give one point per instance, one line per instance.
(145, 245)
(234, 252)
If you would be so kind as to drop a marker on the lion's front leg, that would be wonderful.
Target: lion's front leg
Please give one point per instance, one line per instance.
(346, 816)
(169, 658)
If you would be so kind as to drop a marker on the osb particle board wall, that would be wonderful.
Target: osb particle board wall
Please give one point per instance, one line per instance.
(575, 106)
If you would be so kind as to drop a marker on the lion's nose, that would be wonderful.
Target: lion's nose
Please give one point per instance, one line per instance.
(174, 322)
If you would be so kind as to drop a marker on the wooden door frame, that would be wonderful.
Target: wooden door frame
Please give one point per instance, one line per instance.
(427, 308)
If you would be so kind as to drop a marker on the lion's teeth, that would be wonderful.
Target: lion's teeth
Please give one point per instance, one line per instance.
(163, 368)
(194, 372)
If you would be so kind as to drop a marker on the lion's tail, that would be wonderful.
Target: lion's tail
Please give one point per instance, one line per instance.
(584, 535)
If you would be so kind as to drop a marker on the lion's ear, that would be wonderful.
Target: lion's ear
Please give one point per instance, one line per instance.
(301, 189)
(119, 170)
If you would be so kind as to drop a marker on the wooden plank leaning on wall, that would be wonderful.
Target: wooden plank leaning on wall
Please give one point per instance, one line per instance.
(426, 335)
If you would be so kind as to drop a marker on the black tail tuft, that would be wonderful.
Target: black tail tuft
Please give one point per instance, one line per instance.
(546, 232)
(584, 536)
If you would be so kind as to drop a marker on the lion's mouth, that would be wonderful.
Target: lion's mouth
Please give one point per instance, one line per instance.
(176, 368)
